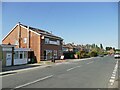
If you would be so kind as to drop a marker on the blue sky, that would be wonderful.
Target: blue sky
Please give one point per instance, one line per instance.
(81, 23)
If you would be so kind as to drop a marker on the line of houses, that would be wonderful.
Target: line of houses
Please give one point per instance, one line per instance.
(75, 48)
(25, 44)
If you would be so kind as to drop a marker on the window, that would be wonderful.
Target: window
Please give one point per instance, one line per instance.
(25, 40)
(58, 42)
(25, 54)
(16, 42)
(55, 54)
(16, 55)
(49, 54)
(60, 52)
(46, 40)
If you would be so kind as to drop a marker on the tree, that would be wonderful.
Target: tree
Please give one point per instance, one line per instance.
(108, 48)
(96, 46)
(114, 49)
(101, 46)
(93, 53)
(93, 45)
(82, 54)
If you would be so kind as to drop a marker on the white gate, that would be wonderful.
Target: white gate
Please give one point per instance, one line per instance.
(8, 59)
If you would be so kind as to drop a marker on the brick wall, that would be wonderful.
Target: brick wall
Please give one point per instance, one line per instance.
(13, 37)
(35, 45)
(50, 47)
(34, 42)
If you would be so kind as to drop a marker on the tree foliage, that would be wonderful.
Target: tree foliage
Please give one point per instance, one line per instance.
(101, 46)
(108, 48)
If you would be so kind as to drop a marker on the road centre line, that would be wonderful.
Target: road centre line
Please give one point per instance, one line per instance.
(73, 68)
(41, 79)
(77, 66)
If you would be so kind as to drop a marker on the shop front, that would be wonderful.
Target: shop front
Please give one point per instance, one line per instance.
(21, 56)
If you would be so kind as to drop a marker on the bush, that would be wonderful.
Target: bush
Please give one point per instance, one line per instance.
(82, 54)
(93, 54)
(69, 55)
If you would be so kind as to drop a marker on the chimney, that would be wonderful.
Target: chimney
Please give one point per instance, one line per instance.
(19, 35)
(19, 23)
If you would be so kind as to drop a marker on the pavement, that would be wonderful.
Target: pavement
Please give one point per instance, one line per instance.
(16, 68)
(85, 73)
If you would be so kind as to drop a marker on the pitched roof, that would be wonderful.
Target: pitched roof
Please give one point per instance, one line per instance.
(39, 31)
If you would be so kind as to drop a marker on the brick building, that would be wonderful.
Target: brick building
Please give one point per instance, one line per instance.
(44, 45)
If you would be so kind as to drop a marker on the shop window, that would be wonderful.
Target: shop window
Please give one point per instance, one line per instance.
(25, 54)
(16, 55)
(49, 54)
(20, 55)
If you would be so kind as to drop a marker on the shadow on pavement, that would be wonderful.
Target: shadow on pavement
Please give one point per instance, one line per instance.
(11, 68)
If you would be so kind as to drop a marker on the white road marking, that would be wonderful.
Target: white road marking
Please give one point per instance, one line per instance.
(41, 79)
(114, 72)
(70, 69)
(73, 68)
(112, 79)
(114, 75)
(111, 84)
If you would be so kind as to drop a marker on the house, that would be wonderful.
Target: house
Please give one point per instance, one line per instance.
(69, 47)
(66, 48)
(44, 45)
(112, 51)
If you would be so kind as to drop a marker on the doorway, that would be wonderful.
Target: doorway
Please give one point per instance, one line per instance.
(8, 59)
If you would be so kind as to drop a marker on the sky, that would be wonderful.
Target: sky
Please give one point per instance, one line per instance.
(78, 22)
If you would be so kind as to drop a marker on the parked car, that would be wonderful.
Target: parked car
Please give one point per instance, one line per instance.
(101, 55)
(117, 55)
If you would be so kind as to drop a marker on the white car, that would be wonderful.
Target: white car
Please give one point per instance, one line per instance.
(116, 55)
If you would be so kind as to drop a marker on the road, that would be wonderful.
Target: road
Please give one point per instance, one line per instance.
(90, 73)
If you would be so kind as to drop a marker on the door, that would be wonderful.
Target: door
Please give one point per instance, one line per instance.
(8, 59)
(44, 54)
